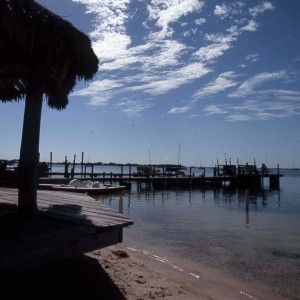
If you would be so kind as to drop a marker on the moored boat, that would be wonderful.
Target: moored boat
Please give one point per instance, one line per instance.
(83, 186)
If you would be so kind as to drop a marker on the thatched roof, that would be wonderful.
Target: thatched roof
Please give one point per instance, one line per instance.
(37, 44)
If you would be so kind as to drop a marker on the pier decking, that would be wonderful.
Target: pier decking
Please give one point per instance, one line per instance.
(66, 225)
(163, 176)
(164, 181)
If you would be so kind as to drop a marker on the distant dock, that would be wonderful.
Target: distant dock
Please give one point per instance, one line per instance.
(169, 176)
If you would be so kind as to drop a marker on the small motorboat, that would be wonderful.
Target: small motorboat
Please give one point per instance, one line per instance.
(83, 186)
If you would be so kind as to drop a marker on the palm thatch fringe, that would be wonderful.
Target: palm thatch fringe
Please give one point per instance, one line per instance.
(34, 40)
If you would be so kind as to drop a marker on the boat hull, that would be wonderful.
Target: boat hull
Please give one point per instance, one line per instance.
(88, 190)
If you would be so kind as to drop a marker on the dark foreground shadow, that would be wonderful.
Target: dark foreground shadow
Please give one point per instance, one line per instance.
(77, 278)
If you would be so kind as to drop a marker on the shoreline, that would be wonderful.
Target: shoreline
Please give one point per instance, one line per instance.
(141, 274)
(196, 279)
(129, 272)
(144, 270)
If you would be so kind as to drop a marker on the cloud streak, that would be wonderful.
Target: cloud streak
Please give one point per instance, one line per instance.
(220, 84)
(249, 87)
(261, 8)
(167, 49)
(255, 110)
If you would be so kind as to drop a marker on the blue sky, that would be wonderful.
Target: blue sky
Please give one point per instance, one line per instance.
(219, 78)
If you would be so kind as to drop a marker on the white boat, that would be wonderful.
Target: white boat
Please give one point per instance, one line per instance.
(83, 186)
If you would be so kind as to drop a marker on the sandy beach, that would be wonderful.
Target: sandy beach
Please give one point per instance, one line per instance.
(140, 274)
(126, 272)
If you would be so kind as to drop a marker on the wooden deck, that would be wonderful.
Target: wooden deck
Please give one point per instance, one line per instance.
(66, 225)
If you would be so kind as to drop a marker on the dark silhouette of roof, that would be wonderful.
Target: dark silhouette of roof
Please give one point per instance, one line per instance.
(38, 48)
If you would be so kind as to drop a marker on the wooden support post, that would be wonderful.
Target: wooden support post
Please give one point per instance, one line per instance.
(130, 173)
(73, 169)
(50, 164)
(82, 157)
(121, 205)
(274, 182)
(66, 174)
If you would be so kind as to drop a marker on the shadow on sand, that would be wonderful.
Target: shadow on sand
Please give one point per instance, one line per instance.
(78, 278)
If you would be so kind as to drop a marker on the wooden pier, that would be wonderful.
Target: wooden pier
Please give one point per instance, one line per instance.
(66, 225)
(247, 176)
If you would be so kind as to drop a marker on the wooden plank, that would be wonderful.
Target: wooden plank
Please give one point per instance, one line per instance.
(90, 215)
(66, 225)
(89, 220)
(90, 203)
(33, 242)
(101, 210)
(89, 208)
(100, 217)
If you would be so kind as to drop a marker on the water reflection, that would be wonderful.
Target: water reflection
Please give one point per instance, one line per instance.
(239, 230)
(121, 205)
(227, 199)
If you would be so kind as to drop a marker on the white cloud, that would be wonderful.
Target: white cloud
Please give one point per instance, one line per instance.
(256, 110)
(251, 26)
(287, 95)
(120, 63)
(219, 44)
(100, 92)
(200, 21)
(264, 110)
(168, 54)
(221, 10)
(166, 12)
(210, 53)
(259, 9)
(134, 107)
(170, 80)
(193, 116)
(238, 117)
(221, 83)
(180, 110)
(228, 10)
(214, 110)
(249, 86)
(100, 100)
(162, 61)
(98, 86)
(112, 45)
(110, 40)
(252, 57)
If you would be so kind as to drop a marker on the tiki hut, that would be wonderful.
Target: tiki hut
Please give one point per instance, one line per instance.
(42, 56)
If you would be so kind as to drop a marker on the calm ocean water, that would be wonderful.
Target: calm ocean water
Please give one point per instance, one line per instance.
(257, 240)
